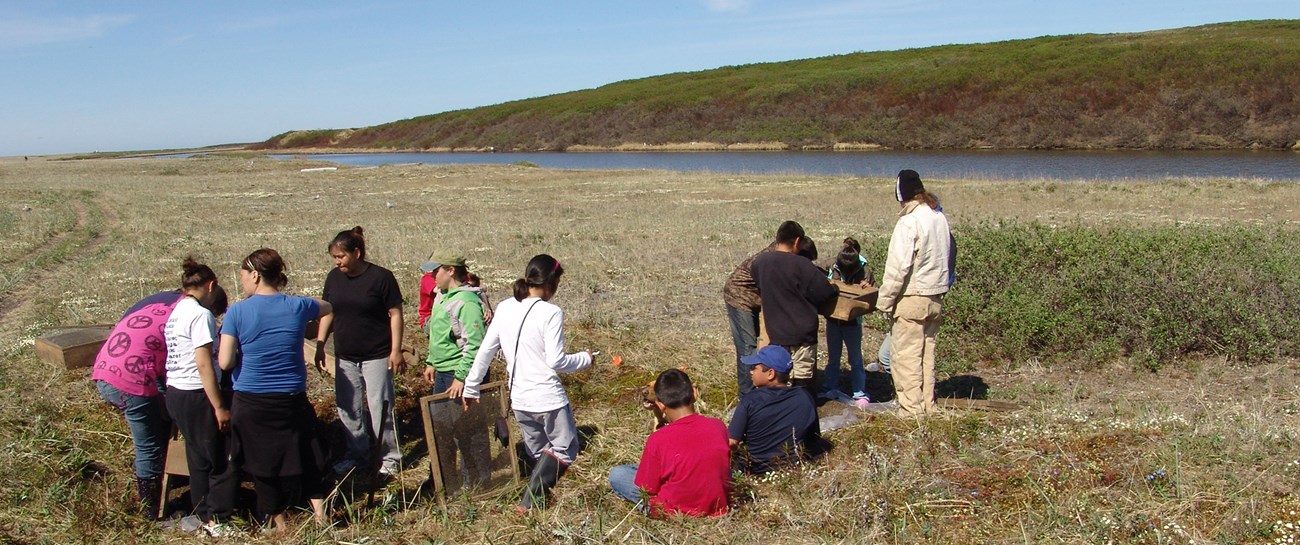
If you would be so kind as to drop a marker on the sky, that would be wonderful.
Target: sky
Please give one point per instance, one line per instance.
(127, 75)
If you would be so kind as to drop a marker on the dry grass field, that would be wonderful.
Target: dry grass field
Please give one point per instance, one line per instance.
(1201, 451)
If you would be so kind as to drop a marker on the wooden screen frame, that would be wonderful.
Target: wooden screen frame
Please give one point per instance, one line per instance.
(435, 465)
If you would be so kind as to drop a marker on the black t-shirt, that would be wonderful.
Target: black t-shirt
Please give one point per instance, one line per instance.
(776, 423)
(361, 306)
(791, 288)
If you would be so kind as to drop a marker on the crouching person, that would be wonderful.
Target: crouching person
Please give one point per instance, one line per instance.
(776, 422)
(686, 466)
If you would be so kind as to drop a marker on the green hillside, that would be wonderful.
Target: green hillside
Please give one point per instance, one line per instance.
(1222, 86)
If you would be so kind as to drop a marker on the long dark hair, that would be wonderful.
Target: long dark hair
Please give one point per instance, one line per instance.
(543, 271)
(269, 264)
(352, 240)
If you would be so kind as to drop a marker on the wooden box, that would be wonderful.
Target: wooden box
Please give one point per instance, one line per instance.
(852, 302)
(72, 347)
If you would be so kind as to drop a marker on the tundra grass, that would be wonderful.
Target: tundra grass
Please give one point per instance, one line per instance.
(1199, 447)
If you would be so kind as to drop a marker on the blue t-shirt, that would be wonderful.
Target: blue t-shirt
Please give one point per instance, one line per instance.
(776, 423)
(269, 329)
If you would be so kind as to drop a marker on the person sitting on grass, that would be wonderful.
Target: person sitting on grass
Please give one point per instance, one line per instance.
(686, 465)
(776, 422)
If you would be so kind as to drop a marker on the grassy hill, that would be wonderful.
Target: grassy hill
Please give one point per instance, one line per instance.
(1222, 86)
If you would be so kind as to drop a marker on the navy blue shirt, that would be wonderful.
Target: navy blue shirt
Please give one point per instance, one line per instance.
(775, 423)
(164, 297)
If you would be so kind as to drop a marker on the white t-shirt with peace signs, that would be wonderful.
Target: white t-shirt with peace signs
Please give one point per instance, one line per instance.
(189, 326)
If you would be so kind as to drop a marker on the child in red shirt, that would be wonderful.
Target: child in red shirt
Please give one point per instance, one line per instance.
(686, 466)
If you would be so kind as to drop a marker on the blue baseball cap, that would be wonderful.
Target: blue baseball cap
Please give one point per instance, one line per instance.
(772, 356)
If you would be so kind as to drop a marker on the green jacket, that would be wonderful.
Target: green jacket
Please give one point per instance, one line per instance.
(455, 331)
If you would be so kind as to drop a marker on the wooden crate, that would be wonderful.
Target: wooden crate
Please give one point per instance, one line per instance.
(72, 347)
(852, 302)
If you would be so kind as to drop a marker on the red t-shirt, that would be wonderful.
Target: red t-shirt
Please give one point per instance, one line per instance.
(686, 467)
(427, 286)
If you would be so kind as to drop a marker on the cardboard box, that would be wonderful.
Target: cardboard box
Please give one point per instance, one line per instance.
(72, 347)
(852, 302)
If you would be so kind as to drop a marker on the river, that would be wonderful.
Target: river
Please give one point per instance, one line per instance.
(993, 165)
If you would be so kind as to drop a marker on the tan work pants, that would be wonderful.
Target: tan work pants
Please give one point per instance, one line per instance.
(916, 323)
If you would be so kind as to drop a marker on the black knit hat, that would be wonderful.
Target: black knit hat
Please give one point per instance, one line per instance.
(909, 185)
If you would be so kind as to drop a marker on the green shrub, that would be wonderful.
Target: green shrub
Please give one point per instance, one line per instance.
(1148, 293)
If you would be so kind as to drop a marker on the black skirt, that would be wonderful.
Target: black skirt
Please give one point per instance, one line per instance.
(276, 435)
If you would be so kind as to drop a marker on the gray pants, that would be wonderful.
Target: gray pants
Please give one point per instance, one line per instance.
(552, 431)
(365, 389)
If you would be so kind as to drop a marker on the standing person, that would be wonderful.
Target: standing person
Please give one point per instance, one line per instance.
(686, 465)
(745, 304)
(531, 330)
(367, 329)
(740, 294)
(428, 292)
(273, 424)
(128, 373)
(194, 397)
(882, 355)
(792, 289)
(911, 292)
(846, 335)
(456, 328)
(475, 284)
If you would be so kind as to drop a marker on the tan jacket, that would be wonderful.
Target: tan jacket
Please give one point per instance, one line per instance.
(919, 256)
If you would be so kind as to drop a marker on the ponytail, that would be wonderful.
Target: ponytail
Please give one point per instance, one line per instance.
(927, 198)
(543, 271)
(195, 274)
(269, 264)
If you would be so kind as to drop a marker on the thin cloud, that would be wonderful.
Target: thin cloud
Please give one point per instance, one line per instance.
(19, 32)
(722, 6)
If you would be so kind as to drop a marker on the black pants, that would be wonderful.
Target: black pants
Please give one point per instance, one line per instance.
(213, 481)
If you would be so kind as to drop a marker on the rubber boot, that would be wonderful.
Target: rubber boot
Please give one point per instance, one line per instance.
(149, 492)
(548, 470)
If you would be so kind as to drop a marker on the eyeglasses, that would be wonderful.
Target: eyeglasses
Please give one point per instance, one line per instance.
(248, 265)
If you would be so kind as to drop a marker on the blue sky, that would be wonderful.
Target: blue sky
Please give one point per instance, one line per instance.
(127, 75)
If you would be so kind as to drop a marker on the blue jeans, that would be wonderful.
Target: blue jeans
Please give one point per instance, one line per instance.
(847, 337)
(442, 380)
(149, 432)
(623, 480)
(744, 333)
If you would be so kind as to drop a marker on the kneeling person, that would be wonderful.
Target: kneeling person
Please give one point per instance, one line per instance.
(685, 468)
(776, 422)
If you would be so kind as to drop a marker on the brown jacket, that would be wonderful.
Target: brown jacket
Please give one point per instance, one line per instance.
(741, 291)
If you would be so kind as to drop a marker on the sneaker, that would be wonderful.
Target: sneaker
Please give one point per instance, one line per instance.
(218, 529)
(388, 470)
(873, 367)
(344, 466)
(190, 523)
